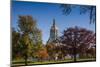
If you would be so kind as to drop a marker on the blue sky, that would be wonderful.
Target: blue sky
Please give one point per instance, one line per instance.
(44, 13)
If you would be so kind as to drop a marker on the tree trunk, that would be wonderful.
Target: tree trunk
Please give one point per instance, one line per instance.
(75, 43)
(26, 60)
(26, 56)
(74, 54)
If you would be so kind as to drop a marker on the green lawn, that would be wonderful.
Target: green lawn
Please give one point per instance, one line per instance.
(21, 63)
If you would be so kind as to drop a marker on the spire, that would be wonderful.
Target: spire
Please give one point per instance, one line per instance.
(53, 22)
(53, 32)
(54, 27)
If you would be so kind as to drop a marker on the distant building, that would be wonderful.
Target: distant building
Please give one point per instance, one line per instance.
(54, 40)
(53, 32)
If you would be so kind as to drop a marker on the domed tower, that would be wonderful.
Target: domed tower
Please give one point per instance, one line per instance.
(53, 32)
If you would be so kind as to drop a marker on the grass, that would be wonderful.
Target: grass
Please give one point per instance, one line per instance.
(22, 63)
(86, 59)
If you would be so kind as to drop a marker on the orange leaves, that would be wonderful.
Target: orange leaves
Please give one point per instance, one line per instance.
(42, 53)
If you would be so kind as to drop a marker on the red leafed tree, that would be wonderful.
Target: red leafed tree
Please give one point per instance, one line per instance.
(78, 40)
(42, 54)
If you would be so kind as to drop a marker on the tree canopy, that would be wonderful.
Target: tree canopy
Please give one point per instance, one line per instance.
(27, 39)
(78, 40)
(67, 9)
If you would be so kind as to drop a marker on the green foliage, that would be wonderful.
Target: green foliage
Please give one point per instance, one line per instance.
(26, 24)
(15, 44)
(28, 39)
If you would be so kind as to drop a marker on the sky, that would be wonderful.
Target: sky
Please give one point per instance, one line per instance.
(44, 13)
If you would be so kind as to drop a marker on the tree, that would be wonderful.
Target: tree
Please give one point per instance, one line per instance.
(26, 39)
(42, 54)
(67, 8)
(26, 26)
(15, 47)
(36, 36)
(77, 40)
(51, 50)
(55, 50)
(91, 52)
